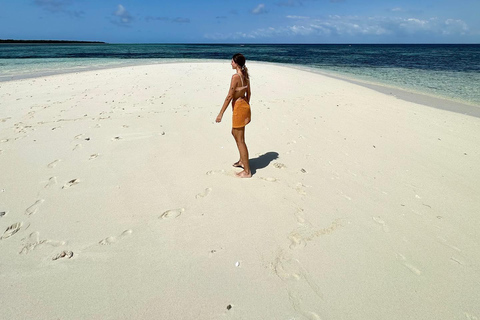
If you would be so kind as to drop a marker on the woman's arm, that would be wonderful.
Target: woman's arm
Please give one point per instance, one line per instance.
(231, 92)
(249, 93)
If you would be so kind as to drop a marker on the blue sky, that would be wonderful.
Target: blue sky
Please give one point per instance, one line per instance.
(248, 21)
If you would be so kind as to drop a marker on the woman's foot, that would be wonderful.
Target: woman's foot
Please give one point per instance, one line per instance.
(243, 174)
(238, 164)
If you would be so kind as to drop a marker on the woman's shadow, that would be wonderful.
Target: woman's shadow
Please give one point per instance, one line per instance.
(262, 161)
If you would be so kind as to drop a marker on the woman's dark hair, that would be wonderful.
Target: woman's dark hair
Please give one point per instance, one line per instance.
(239, 59)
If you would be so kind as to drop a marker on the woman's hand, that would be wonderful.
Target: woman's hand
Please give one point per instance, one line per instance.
(219, 118)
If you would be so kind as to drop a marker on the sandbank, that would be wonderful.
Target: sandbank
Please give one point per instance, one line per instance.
(118, 199)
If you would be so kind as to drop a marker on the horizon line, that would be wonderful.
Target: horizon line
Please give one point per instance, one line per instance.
(99, 42)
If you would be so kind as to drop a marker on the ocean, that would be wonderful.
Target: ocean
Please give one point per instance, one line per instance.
(448, 71)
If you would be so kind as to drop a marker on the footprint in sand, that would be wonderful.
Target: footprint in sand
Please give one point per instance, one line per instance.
(300, 188)
(78, 136)
(459, 261)
(93, 156)
(299, 285)
(306, 232)
(77, 146)
(34, 207)
(22, 137)
(138, 136)
(445, 242)
(14, 228)
(287, 269)
(70, 183)
(212, 172)
(110, 240)
(203, 194)
(63, 254)
(53, 163)
(409, 266)
(34, 241)
(279, 165)
(269, 179)
(173, 213)
(296, 240)
(300, 216)
(297, 306)
(382, 223)
(51, 182)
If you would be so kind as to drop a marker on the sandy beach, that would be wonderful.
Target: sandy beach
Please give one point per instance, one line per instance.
(118, 199)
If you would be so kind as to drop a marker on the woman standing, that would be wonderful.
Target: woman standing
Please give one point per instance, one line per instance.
(239, 93)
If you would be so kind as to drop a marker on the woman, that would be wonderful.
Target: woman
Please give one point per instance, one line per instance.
(239, 94)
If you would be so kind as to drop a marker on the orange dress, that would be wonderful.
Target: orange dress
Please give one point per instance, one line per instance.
(241, 113)
(241, 110)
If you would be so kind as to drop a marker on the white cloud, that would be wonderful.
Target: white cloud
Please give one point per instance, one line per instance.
(123, 17)
(59, 6)
(299, 3)
(181, 20)
(228, 36)
(122, 13)
(259, 9)
(53, 5)
(289, 3)
(455, 27)
(302, 30)
(298, 17)
(355, 26)
(175, 20)
(150, 18)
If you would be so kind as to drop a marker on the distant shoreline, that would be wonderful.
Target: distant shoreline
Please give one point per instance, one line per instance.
(48, 41)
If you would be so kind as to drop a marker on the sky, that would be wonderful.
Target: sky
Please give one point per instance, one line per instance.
(247, 21)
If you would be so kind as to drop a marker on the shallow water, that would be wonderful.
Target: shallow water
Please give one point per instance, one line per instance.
(447, 71)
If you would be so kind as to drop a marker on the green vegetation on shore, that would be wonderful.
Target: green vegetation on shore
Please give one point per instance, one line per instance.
(47, 41)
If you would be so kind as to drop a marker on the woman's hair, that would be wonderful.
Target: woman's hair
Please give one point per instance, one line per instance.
(239, 59)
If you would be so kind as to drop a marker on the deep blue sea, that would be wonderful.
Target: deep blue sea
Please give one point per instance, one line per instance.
(448, 71)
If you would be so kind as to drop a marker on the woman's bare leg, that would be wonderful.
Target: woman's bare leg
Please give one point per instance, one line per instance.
(239, 135)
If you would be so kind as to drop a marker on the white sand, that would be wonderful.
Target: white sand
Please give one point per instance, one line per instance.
(361, 206)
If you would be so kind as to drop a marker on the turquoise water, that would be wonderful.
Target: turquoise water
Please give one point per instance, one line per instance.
(447, 71)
